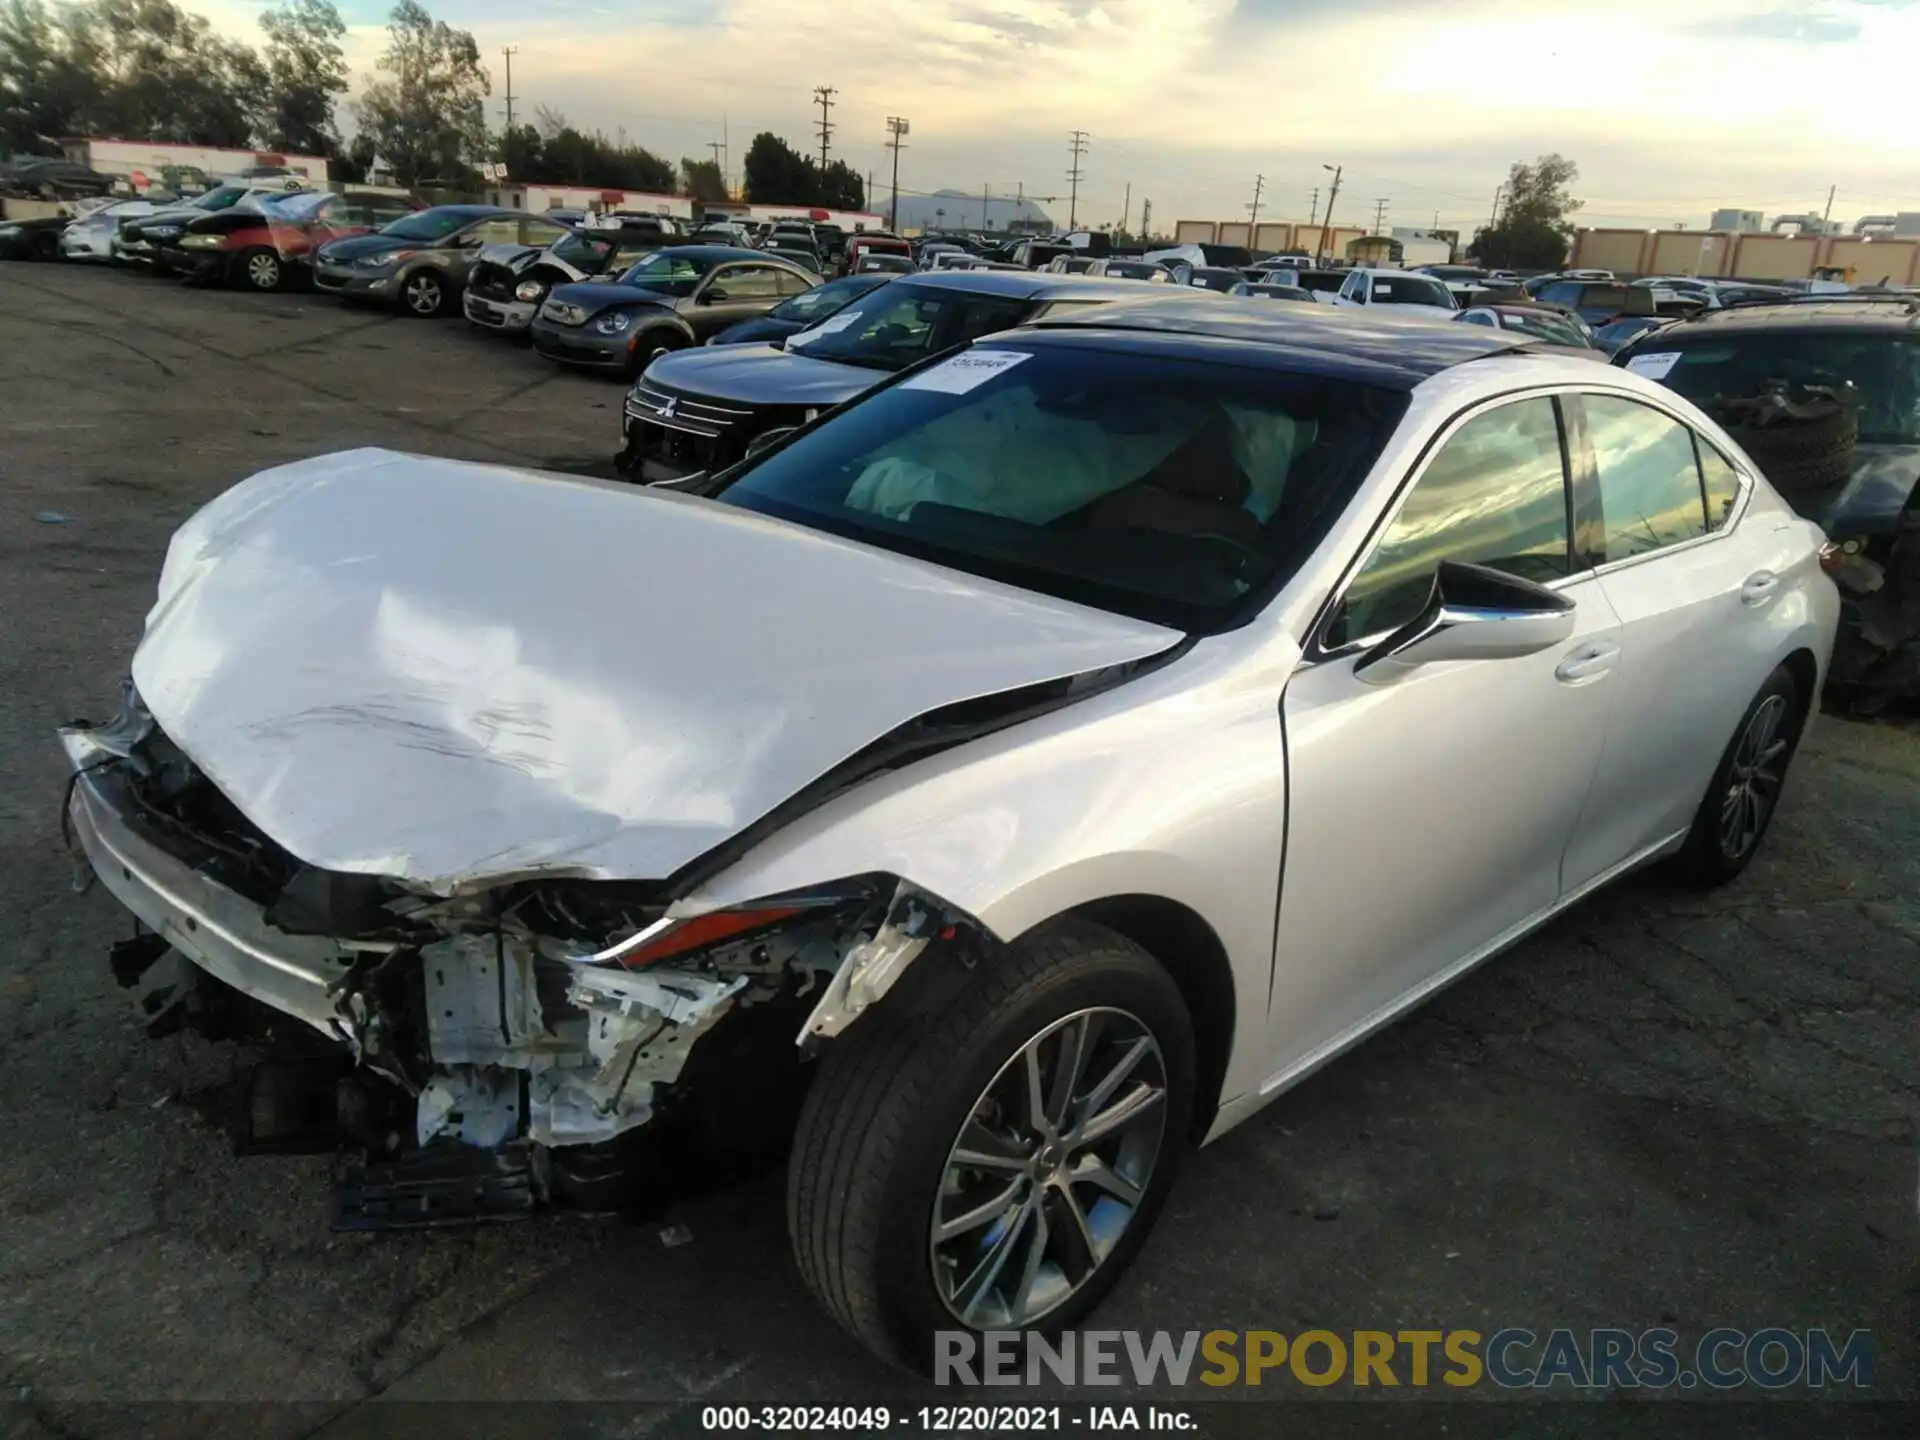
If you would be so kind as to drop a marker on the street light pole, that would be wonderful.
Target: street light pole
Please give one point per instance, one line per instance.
(1326, 226)
(896, 127)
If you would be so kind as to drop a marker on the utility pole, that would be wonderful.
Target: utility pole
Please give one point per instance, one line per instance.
(1494, 219)
(1828, 214)
(1253, 210)
(719, 163)
(986, 192)
(896, 128)
(1146, 218)
(824, 94)
(1073, 175)
(1379, 216)
(1126, 208)
(1326, 225)
(507, 54)
(1313, 216)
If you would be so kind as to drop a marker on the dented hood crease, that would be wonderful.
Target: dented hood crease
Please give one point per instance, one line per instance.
(451, 673)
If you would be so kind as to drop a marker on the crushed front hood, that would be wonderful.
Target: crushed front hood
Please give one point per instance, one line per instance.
(761, 375)
(452, 673)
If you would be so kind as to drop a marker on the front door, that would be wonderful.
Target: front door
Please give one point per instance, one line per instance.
(733, 294)
(1426, 817)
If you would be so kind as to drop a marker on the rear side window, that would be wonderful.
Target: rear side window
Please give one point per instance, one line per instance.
(1720, 481)
(1650, 494)
(1495, 495)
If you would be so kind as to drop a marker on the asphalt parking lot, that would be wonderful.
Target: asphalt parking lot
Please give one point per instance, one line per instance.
(1661, 1110)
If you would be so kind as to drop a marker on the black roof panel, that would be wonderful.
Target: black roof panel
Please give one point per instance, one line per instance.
(1360, 343)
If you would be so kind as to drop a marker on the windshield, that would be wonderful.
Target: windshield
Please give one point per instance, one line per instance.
(1552, 328)
(1129, 270)
(1410, 290)
(672, 271)
(1882, 366)
(902, 324)
(1170, 490)
(824, 300)
(296, 207)
(429, 224)
(592, 252)
(1327, 281)
(221, 198)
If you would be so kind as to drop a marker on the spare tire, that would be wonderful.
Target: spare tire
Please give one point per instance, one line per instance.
(1802, 437)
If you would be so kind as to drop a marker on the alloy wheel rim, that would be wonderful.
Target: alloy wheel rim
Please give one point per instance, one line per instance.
(1753, 784)
(1049, 1170)
(264, 272)
(423, 294)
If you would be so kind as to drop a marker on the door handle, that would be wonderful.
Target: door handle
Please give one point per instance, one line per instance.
(1589, 662)
(1759, 587)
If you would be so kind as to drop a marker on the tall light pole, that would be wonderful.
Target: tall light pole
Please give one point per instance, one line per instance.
(897, 128)
(1073, 175)
(1326, 226)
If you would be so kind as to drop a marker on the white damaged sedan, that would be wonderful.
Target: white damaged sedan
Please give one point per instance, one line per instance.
(1029, 770)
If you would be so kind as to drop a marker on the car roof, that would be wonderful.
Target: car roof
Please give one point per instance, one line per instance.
(717, 252)
(473, 212)
(1024, 284)
(1356, 343)
(1839, 312)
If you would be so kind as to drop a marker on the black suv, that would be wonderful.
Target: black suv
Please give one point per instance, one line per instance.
(1858, 476)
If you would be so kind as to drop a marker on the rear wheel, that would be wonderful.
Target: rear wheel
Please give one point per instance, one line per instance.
(1738, 807)
(260, 269)
(46, 246)
(424, 294)
(996, 1162)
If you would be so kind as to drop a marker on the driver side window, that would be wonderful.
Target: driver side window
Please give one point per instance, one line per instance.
(1495, 494)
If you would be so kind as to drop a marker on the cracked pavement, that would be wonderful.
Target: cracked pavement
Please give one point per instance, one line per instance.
(1662, 1109)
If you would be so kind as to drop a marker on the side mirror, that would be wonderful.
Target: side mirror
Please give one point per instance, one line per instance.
(767, 439)
(1473, 613)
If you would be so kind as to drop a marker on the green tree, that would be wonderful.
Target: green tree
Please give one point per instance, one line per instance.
(702, 180)
(776, 173)
(306, 70)
(1533, 228)
(46, 89)
(840, 188)
(426, 115)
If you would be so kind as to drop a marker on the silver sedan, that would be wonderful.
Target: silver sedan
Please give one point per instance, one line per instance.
(1039, 764)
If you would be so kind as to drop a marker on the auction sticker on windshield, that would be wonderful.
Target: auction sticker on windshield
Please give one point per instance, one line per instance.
(1654, 367)
(825, 327)
(965, 372)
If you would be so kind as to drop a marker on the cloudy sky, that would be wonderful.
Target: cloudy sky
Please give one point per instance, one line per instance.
(1670, 107)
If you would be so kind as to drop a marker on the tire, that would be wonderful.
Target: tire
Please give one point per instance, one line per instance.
(423, 294)
(259, 269)
(649, 345)
(1727, 830)
(870, 1168)
(1804, 446)
(45, 247)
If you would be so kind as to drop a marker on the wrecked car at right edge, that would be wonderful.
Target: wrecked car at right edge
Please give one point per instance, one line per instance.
(1034, 767)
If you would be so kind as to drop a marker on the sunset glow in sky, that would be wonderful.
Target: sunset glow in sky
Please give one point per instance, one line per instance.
(1670, 107)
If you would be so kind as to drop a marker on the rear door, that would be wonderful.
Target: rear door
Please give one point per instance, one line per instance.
(1426, 818)
(1696, 590)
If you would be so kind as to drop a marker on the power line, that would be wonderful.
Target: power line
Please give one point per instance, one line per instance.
(824, 94)
(1073, 175)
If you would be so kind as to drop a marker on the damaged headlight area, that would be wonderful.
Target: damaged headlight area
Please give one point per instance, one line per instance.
(495, 1044)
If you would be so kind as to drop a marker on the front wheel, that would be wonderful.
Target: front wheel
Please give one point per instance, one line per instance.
(1745, 790)
(650, 345)
(260, 270)
(423, 294)
(997, 1162)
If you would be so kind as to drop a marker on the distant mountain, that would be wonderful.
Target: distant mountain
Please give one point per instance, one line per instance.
(962, 211)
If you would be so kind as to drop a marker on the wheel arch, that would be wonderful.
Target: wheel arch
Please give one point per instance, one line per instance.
(1805, 670)
(1192, 953)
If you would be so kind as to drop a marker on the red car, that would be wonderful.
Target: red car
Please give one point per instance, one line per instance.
(265, 244)
(872, 242)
